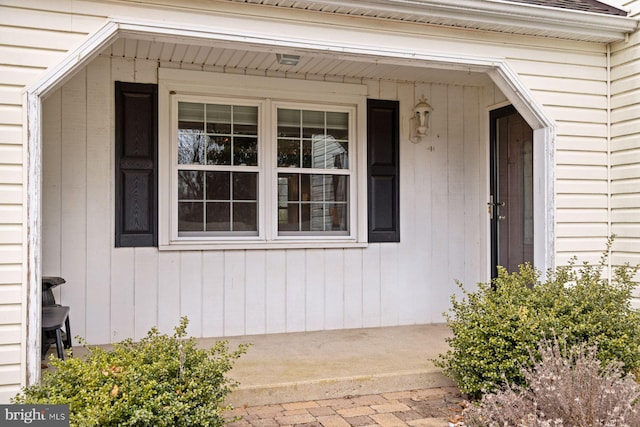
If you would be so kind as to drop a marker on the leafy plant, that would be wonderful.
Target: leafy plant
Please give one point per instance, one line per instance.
(566, 387)
(495, 327)
(160, 381)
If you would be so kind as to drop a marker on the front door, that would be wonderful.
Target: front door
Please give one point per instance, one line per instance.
(511, 198)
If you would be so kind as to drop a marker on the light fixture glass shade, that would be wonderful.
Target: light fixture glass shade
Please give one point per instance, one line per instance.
(287, 59)
(420, 120)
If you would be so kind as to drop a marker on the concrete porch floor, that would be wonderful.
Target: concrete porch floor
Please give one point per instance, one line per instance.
(306, 366)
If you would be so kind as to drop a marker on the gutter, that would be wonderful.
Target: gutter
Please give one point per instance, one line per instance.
(498, 15)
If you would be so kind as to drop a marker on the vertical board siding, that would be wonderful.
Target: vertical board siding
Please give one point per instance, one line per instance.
(99, 181)
(73, 200)
(625, 148)
(443, 220)
(121, 292)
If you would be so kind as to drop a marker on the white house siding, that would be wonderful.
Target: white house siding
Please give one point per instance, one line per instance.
(116, 293)
(30, 41)
(443, 207)
(625, 146)
(122, 292)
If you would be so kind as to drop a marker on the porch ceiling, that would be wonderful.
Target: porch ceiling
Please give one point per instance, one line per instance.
(249, 60)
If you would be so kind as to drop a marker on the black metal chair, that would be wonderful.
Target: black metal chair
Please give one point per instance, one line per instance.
(55, 317)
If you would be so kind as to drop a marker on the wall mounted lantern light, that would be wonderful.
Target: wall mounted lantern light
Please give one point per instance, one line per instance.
(420, 120)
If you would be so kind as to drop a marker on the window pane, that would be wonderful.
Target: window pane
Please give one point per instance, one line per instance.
(288, 123)
(306, 213)
(324, 141)
(288, 153)
(336, 188)
(338, 214)
(190, 185)
(288, 217)
(245, 216)
(337, 156)
(316, 187)
(245, 186)
(288, 187)
(219, 150)
(190, 147)
(306, 187)
(338, 125)
(245, 120)
(218, 186)
(190, 216)
(218, 114)
(329, 153)
(245, 151)
(313, 202)
(218, 216)
(219, 128)
(312, 123)
(307, 155)
(190, 116)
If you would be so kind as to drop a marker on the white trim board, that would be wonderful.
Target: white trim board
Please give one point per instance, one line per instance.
(496, 68)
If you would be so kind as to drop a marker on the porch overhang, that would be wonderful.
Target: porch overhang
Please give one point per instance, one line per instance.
(493, 15)
(496, 68)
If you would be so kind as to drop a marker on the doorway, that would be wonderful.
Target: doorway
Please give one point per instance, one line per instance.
(512, 193)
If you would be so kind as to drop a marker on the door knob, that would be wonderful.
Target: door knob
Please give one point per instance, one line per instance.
(501, 217)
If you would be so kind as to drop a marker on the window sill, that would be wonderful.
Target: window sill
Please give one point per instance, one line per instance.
(213, 246)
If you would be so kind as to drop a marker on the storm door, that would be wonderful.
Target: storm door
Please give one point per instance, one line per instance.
(511, 198)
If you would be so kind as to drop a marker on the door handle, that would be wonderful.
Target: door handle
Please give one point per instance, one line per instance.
(491, 205)
(501, 217)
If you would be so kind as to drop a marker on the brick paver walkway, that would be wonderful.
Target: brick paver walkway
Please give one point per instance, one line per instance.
(417, 408)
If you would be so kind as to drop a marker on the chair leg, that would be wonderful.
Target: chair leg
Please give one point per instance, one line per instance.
(67, 328)
(59, 345)
(44, 347)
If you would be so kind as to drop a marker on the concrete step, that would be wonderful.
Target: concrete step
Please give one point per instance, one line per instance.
(294, 367)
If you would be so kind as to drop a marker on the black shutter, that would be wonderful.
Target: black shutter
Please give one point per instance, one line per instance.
(136, 162)
(383, 146)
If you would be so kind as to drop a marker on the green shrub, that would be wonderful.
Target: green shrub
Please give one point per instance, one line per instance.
(160, 381)
(495, 327)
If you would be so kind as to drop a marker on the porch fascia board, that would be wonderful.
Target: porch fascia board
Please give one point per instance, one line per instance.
(498, 69)
(497, 14)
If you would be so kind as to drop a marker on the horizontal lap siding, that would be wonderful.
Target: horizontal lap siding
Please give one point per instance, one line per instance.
(31, 40)
(573, 90)
(625, 147)
(121, 292)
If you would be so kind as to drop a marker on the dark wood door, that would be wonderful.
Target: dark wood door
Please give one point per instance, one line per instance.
(511, 203)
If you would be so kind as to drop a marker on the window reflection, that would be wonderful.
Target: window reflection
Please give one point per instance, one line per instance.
(215, 134)
(313, 139)
(217, 201)
(313, 202)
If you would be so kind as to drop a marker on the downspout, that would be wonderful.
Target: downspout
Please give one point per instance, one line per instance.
(609, 230)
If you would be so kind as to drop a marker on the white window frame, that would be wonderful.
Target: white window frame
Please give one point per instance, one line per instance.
(268, 94)
(217, 236)
(350, 171)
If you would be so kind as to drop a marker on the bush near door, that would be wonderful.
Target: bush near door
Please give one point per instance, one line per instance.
(496, 327)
